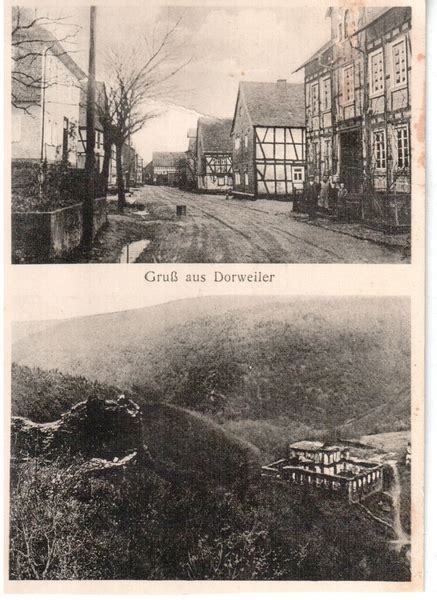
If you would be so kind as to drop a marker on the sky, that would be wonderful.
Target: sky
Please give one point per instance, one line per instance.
(224, 45)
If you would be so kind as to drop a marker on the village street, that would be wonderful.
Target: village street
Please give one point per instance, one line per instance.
(220, 230)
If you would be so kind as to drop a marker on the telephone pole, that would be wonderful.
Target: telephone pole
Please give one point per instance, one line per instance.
(90, 160)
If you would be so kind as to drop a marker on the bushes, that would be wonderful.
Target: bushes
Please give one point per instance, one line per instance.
(48, 186)
(135, 528)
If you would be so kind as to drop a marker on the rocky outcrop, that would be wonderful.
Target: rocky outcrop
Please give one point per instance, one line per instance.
(180, 446)
(94, 428)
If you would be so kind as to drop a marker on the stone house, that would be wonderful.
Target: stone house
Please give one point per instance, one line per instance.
(328, 468)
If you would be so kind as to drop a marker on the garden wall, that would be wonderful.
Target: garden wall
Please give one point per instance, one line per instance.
(48, 236)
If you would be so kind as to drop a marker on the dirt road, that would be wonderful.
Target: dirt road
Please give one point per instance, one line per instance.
(216, 230)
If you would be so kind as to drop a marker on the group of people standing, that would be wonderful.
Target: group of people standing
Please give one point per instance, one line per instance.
(328, 196)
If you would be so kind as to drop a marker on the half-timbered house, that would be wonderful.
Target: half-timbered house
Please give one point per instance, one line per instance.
(214, 154)
(268, 133)
(358, 105)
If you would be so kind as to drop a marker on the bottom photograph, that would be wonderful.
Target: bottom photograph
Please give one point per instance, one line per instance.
(215, 438)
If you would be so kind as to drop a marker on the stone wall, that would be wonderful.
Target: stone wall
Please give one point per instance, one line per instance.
(49, 236)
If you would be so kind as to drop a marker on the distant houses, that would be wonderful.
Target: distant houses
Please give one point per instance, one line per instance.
(169, 168)
(268, 132)
(214, 154)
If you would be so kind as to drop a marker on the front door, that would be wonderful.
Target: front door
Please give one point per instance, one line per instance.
(351, 162)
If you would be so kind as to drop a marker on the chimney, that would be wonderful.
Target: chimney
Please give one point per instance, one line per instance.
(281, 84)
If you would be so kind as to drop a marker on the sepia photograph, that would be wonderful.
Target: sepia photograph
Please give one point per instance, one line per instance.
(202, 134)
(226, 438)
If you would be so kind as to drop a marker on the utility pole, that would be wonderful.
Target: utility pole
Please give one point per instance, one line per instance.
(90, 160)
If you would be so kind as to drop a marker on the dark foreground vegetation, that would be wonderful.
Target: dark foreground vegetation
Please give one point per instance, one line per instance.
(132, 523)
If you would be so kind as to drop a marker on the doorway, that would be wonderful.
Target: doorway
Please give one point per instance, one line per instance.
(351, 162)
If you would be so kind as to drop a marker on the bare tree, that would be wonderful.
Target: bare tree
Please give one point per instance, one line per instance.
(31, 39)
(137, 74)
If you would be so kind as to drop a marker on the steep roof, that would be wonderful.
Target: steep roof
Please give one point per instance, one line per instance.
(168, 159)
(371, 15)
(215, 134)
(319, 52)
(36, 38)
(280, 104)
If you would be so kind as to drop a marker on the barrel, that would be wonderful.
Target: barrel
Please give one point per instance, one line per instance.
(181, 210)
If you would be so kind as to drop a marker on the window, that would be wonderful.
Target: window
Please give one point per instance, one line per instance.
(298, 174)
(246, 179)
(246, 140)
(377, 72)
(65, 132)
(326, 94)
(399, 63)
(340, 31)
(379, 149)
(315, 98)
(237, 142)
(237, 178)
(52, 132)
(348, 84)
(220, 180)
(402, 147)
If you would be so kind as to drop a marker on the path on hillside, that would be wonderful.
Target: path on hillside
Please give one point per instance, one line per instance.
(216, 230)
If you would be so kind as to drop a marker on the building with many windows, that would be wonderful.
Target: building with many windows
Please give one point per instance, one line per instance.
(328, 468)
(358, 101)
(268, 133)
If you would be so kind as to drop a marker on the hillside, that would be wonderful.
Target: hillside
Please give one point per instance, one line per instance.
(140, 525)
(311, 363)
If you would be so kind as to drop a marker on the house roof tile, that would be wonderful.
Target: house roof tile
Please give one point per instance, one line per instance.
(215, 134)
(168, 159)
(280, 104)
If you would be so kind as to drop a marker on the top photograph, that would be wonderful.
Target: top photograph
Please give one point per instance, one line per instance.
(211, 134)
